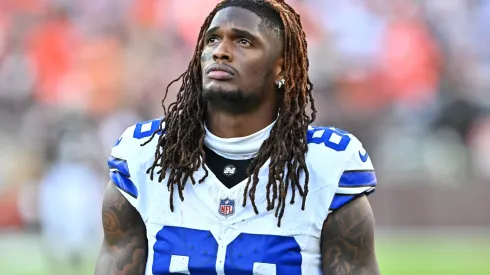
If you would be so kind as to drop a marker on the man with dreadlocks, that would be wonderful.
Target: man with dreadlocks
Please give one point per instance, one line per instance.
(204, 190)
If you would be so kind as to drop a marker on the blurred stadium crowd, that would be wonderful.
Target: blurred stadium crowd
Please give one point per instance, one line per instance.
(410, 78)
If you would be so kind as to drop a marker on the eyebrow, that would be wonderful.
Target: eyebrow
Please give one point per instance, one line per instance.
(235, 30)
(243, 33)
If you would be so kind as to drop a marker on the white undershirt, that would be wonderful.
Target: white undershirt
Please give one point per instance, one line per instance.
(237, 148)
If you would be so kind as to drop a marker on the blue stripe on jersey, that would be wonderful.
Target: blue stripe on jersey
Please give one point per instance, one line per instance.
(358, 179)
(124, 183)
(341, 200)
(120, 177)
(118, 164)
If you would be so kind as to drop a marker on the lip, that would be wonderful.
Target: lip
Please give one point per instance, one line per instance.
(220, 71)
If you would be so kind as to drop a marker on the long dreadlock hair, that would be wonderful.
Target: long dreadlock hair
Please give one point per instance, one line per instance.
(179, 151)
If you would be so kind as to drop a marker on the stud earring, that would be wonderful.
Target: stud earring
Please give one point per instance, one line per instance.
(280, 83)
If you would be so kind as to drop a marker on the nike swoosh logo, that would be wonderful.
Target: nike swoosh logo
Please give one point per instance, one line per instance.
(364, 157)
(117, 142)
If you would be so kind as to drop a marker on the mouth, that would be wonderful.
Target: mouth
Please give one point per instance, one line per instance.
(220, 72)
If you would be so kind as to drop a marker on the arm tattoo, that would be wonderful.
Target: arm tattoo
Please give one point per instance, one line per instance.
(125, 247)
(347, 241)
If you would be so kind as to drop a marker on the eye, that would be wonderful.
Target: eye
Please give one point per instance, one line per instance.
(245, 42)
(211, 40)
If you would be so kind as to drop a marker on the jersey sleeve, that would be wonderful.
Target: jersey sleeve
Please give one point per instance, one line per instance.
(358, 177)
(128, 161)
(119, 168)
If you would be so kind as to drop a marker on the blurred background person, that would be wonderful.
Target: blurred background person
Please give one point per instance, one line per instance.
(70, 198)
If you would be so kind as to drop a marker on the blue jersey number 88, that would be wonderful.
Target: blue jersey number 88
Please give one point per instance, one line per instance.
(333, 138)
(145, 129)
(242, 253)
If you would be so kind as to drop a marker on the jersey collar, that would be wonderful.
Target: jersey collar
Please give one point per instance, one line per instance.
(237, 148)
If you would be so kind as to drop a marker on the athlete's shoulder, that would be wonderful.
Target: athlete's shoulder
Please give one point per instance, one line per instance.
(336, 149)
(129, 158)
(341, 153)
(333, 139)
(130, 142)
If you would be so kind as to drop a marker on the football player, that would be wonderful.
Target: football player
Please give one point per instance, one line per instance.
(234, 179)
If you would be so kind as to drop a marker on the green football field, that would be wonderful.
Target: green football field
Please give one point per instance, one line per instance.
(434, 255)
(414, 254)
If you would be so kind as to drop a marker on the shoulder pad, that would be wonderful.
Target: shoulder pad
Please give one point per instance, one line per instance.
(133, 137)
(357, 174)
(338, 140)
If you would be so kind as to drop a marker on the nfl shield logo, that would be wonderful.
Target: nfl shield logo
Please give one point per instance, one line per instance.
(227, 207)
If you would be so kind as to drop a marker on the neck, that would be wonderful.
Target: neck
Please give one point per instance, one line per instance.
(226, 125)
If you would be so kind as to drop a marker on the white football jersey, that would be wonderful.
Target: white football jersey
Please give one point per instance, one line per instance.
(210, 232)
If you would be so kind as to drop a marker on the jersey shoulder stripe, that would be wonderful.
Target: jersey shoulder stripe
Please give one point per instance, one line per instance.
(120, 176)
(118, 165)
(340, 200)
(361, 178)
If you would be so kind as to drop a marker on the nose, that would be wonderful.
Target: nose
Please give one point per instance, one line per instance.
(222, 53)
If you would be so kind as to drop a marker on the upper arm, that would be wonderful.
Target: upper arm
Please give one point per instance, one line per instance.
(347, 240)
(125, 248)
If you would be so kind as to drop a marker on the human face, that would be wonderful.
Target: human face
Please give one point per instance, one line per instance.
(240, 61)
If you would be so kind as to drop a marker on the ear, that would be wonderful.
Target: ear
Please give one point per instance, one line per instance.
(278, 69)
